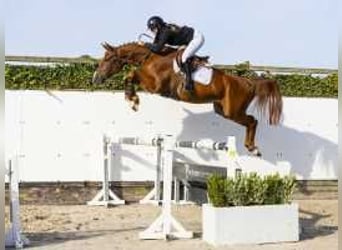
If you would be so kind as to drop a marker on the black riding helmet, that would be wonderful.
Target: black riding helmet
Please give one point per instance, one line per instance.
(155, 22)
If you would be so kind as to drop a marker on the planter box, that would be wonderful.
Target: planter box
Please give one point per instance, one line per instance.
(250, 224)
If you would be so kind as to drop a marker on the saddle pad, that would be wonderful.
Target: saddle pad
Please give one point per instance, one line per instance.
(202, 75)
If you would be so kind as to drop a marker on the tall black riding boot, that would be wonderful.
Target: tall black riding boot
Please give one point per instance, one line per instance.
(189, 84)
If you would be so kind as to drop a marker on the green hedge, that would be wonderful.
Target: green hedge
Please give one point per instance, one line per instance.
(295, 84)
(78, 76)
(59, 77)
(250, 189)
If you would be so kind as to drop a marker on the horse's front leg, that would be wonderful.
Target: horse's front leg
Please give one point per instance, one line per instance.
(130, 93)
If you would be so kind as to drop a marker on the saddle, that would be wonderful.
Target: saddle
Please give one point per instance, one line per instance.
(195, 61)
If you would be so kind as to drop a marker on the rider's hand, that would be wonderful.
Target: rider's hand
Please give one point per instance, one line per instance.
(141, 43)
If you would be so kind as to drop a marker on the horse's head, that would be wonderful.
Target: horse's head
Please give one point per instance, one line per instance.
(116, 57)
(108, 65)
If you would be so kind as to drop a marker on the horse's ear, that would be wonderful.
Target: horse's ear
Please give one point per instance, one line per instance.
(107, 46)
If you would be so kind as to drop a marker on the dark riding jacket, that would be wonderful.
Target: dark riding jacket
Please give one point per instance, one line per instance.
(171, 35)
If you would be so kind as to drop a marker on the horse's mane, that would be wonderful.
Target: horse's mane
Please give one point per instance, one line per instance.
(165, 51)
(127, 44)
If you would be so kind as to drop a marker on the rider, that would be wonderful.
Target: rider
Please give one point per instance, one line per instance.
(175, 35)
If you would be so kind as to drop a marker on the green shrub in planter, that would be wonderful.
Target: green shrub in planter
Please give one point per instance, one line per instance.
(289, 187)
(250, 189)
(217, 190)
(275, 189)
(279, 190)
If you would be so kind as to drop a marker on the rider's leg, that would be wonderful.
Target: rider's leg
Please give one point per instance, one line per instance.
(195, 44)
(189, 84)
(189, 51)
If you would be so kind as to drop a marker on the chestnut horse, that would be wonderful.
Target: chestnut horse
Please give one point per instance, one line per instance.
(230, 95)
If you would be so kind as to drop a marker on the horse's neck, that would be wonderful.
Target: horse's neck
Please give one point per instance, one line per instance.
(134, 53)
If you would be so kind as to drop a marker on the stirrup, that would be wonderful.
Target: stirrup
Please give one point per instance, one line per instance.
(189, 87)
(182, 67)
(185, 64)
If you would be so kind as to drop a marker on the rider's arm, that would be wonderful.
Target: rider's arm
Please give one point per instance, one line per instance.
(159, 41)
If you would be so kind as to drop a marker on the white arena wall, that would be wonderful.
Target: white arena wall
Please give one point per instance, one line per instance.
(58, 135)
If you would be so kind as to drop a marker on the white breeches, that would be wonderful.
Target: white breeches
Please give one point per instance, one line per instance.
(195, 44)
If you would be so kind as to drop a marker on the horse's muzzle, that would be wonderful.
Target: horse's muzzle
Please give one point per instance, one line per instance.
(97, 78)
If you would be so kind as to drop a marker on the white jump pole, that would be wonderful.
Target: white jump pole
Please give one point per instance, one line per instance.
(153, 197)
(13, 237)
(106, 196)
(166, 226)
(233, 168)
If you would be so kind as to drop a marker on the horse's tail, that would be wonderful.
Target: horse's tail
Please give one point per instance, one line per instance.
(268, 94)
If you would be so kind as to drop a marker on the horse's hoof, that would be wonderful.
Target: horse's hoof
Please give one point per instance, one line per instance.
(135, 108)
(255, 152)
(133, 105)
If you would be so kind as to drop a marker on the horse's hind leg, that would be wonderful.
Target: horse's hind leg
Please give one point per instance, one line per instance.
(251, 124)
(218, 108)
(247, 121)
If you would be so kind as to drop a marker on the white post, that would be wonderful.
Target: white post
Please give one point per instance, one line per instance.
(167, 182)
(186, 192)
(185, 183)
(176, 190)
(165, 225)
(106, 157)
(233, 167)
(106, 196)
(158, 172)
(14, 238)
